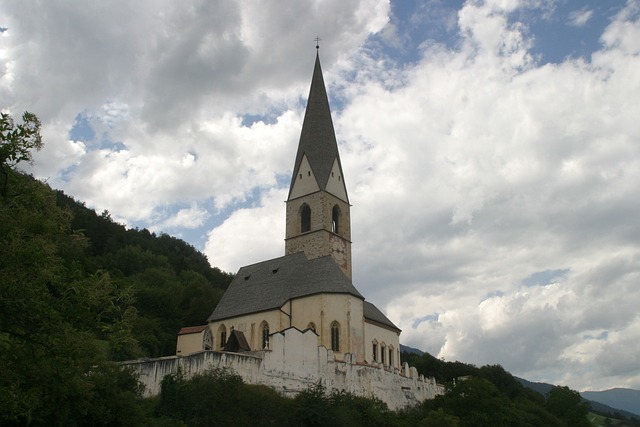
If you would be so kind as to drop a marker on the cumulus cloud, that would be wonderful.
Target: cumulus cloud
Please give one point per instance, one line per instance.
(192, 217)
(257, 230)
(156, 81)
(580, 17)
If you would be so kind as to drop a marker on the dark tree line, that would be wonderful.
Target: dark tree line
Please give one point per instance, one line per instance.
(173, 284)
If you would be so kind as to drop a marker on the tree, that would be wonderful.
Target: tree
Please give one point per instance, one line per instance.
(17, 143)
(567, 405)
(59, 325)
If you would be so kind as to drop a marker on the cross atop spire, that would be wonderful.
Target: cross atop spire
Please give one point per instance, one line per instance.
(317, 39)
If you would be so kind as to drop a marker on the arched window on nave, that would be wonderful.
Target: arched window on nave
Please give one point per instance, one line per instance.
(264, 328)
(335, 336)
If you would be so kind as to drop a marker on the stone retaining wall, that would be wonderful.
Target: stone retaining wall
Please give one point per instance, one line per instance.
(293, 363)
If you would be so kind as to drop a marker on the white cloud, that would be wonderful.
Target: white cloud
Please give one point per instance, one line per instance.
(580, 17)
(192, 217)
(249, 235)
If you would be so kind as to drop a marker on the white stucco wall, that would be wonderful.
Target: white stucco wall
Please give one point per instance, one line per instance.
(250, 325)
(189, 343)
(323, 310)
(293, 363)
(320, 309)
(385, 338)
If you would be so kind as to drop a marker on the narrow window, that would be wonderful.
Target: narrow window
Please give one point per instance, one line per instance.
(222, 333)
(335, 219)
(391, 356)
(305, 218)
(383, 350)
(207, 340)
(265, 335)
(375, 351)
(335, 336)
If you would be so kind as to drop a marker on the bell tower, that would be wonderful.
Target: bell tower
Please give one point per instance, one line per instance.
(318, 219)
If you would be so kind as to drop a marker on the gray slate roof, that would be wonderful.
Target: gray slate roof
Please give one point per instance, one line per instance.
(371, 312)
(269, 284)
(318, 138)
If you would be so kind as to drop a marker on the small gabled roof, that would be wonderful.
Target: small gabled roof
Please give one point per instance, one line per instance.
(237, 342)
(192, 329)
(317, 138)
(269, 284)
(372, 313)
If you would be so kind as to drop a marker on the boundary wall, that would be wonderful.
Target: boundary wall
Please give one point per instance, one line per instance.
(294, 362)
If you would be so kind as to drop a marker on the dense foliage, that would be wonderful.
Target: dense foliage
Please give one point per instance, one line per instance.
(173, 284)
(78, 291)
(218, 397)
(491, 396)
(59, 325)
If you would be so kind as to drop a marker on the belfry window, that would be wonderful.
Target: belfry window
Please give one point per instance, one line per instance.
(335, 336)
(305, 218)
(265, 335)
(335, 219)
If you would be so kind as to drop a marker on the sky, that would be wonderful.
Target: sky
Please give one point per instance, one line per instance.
(491, 151)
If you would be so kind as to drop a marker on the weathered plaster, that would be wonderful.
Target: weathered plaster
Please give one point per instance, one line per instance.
(292, 364)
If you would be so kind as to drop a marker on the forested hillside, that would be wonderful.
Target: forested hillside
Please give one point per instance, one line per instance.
(173, 284)
(489, 395)
(77, 292)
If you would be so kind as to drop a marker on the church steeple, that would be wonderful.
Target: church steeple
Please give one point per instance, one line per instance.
(318, 211)
(318, 144)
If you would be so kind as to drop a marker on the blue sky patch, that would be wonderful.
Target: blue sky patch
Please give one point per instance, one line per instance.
(428, 318)
(82, 129)
(544, 278)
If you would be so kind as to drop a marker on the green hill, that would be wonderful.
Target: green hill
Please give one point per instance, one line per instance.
(173, 284)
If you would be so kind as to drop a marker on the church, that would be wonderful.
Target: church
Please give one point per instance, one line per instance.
(310, 288)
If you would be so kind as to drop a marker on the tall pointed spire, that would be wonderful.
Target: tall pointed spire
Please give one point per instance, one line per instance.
(317, 139)
(318, 220)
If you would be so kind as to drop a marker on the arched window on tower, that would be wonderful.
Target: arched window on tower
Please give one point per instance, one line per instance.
(264, 327)
(305, 218)
(335, 336)
(335, 219)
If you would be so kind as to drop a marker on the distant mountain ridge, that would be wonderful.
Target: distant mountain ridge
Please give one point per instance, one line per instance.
(407, 349)
(624, 401)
